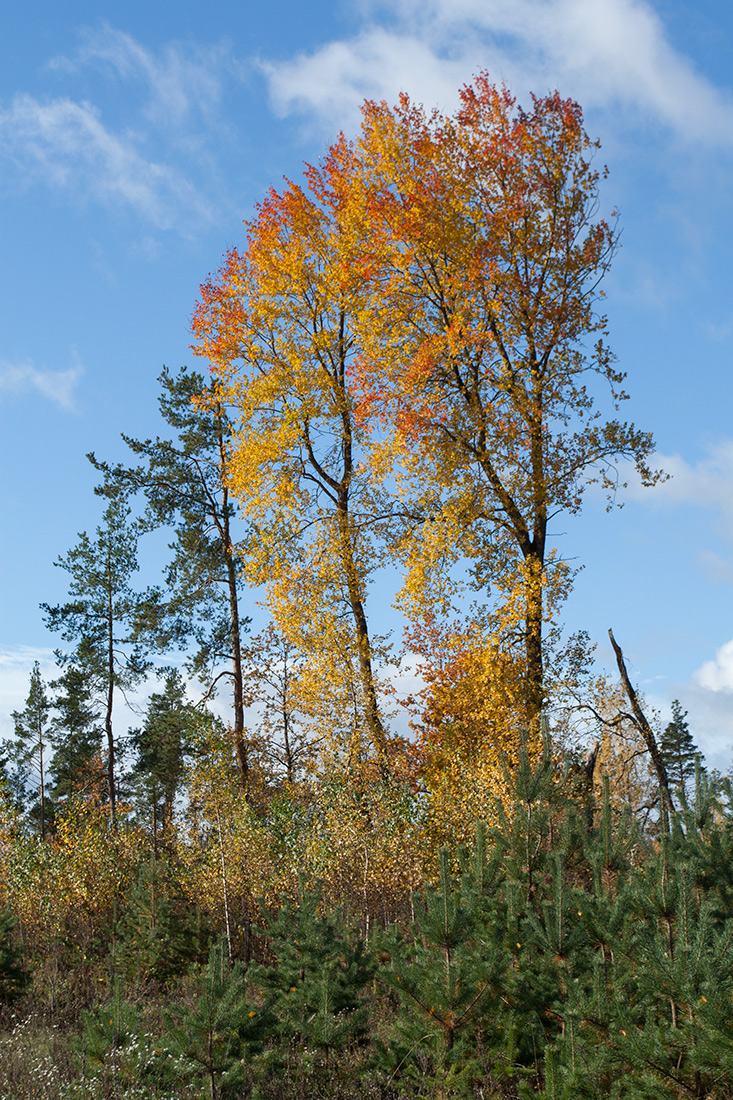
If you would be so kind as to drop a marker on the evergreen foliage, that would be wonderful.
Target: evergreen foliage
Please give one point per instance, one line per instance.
(415, 318)
(76, 736)
(5, 780)
(445, 977)
(555, 960)
(101, 616)
(29, 750)
(160, 748)
(184, 485)
(211, 1038)
(109, 1044)
(155, 934)
(315, 987)
(13, 976)
(678, 748)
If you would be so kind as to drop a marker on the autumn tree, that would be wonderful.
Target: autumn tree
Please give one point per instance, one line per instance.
(100, 617)
(273, 669)
(617, 762)
(277, 324)
(185, 488)
(468, 720)
(481, 344)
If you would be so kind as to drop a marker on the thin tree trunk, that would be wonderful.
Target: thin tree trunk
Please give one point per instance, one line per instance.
(43, 780)
(108, 715)
(642, 725)
(224, 884)
(531, 545)
(285, 711)
(240, 743)
(533, 642)
(376, 730)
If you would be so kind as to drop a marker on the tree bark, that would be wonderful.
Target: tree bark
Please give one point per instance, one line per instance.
(533, 642)
(239, 739)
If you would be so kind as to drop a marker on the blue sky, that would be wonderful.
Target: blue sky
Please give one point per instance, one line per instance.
(135, 138)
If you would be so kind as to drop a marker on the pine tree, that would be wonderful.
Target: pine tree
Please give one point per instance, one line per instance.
(160, 748)
(211, 1038)
(13, 975)
(76, 736)
(678, 748)
(315, 989)
(30, 748)
(184, 486)
(115, 1046)
(101, 617)
(155, 936)
(5, 778)
(447, 977)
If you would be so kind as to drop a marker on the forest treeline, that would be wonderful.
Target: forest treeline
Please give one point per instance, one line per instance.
(529, 895)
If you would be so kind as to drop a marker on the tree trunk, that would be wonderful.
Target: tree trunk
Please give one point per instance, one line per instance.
(376, 730)
(533, 643)
(240, 743)
(643, 726)
(108, 715)
(43, 779)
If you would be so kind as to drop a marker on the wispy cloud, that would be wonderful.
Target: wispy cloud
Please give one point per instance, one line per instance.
(709, 699)
(331, 83)
(56, 386)
(182, 80)
(608, 53)
(151, 151)
(65, 144)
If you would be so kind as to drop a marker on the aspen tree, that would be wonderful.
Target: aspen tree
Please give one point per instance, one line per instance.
(482, 346)
(277, 324)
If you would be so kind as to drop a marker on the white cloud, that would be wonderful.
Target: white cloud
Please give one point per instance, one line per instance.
(717, 675)
(65, 144)
(608, 53)
(716, 567)
(333, 82)
(709, 700)
(710, 718)
(705, 484)
(57, 386)
(147, 158)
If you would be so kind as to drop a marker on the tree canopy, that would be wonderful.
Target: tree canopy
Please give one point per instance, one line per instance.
(412, 343)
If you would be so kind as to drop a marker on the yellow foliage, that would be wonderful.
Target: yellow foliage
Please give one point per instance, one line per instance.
(72, 879)
(470, 724)
(622, 758)
(278, 327)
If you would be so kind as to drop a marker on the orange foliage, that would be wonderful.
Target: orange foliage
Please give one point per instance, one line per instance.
(278, 325)
(474, 339)
(408, 339)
